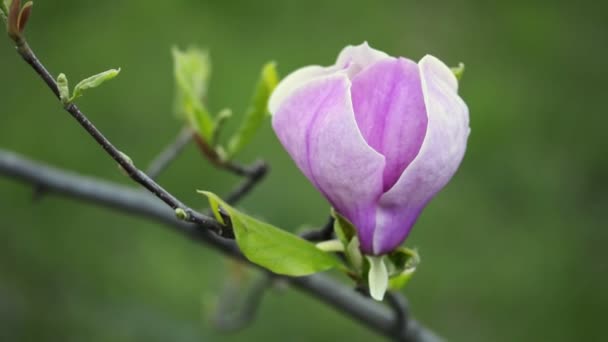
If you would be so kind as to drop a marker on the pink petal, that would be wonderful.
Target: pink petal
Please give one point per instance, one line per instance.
(295, 80)
(316, 125)
(391, 114)
(439, 157)
(356, 58)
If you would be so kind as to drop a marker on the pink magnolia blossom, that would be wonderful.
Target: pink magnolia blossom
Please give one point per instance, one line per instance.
(377, 135)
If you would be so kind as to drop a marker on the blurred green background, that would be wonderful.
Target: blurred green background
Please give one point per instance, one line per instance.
(514, 249)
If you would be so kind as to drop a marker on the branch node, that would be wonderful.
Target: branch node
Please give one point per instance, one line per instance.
(181, 214)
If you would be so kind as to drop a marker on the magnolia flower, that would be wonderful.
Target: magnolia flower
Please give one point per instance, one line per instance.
(377, 135)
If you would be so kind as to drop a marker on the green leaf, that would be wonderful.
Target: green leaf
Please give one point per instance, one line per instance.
(458, 71)
(399, 281)
(345, 231)
(192, 70)
(220, 120)
(270, 247)
(353, 255)
(200, 119)
(93, 82)
(402, 264)
(331, 246)
(64, 89)
(256, 113)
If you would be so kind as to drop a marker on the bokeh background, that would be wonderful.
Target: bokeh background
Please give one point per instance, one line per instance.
(514, 249)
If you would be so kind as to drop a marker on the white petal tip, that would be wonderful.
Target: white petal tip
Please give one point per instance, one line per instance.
(434, 67)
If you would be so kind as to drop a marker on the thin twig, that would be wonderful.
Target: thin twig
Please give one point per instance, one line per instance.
(162, 161)
(212, 154)
(375, 316)
(255, 174)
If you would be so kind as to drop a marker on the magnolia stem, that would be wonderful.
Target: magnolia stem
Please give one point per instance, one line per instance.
(253, 173)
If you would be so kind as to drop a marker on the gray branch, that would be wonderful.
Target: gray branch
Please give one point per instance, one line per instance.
(343, 299)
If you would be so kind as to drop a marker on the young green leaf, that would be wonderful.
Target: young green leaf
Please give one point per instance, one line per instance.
(220, 120)
(399, 281)
(353, 255)
(270, 247)
(3, 9)
(24, 15)
(458, 71)
(201, 120)
(345, 231)
(93, 82)
(13, 18)
(192, 69)
(64, 89)
(402, 264)
(331, 246)
(256, 113)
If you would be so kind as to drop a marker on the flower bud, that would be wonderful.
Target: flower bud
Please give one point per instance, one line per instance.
(377, 135)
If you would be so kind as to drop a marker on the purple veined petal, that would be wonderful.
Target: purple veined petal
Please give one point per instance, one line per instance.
(356, 58)
(439, 157)
(390, 111)
(316, 125)
(294, 80)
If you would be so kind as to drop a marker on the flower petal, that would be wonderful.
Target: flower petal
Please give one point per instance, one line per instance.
(439, 157)
(357, 58)
(390, 111)
(316, 125)
(294, 80)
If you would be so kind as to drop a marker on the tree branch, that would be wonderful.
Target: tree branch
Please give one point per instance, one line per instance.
(374, 315)
(255, 174)
(399, 305)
